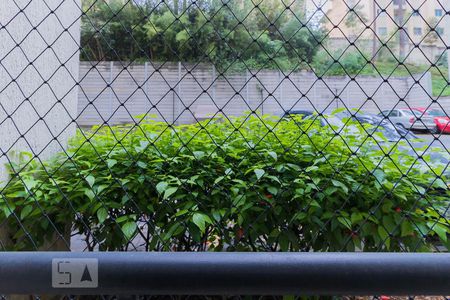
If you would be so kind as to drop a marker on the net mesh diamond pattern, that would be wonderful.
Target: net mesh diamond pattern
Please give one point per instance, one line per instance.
(215, 125)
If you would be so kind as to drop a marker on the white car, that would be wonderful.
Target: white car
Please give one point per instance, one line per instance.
(410, 119)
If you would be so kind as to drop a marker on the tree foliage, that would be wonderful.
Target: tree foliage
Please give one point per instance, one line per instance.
(252, 33)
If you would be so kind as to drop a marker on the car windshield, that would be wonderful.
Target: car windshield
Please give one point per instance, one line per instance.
(436, 113)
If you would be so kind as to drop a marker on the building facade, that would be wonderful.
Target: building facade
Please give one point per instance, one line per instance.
(417, 29)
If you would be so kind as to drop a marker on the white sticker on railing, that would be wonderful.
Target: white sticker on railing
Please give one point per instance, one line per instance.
(75, 273)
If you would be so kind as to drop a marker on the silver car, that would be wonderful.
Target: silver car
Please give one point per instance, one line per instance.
(410, 119)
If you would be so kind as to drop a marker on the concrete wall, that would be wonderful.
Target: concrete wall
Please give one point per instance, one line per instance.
(114, 92)
(38, 92)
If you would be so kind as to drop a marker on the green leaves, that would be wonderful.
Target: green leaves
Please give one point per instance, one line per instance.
(7, 210)
(129, 229)
(167, 32)
(206, 186)
(30, 183)
(259, 173)
(25, 211)
(440, 229)
(201, 220)
(384, 236)
(102, 214)
(141, 164)
(90, 180)
(199, 154)
(273, 190)
(407, 228)
(161, 187)
(169, 192)
(339, 184)
(164, 189)
(111, 163)
(89, 193)
(273, 154)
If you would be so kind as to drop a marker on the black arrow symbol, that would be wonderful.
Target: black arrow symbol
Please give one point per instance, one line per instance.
(86, 275)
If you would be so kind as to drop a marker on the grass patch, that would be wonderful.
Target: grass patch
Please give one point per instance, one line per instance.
(441, 85)
(439, 75)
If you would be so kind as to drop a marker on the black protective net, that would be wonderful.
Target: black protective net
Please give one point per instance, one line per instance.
(214, 125)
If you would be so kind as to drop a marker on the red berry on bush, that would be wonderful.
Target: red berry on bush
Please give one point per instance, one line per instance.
(240, 233)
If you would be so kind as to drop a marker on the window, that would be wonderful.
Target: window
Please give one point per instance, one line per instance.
(436, 113)
(417, 31)
(397, 2)
(384, 113)
(440, 31)
(415, 13)
(438, 12)
(393, 113)
(382, 30)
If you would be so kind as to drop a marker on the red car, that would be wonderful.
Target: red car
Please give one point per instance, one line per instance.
(440, 118)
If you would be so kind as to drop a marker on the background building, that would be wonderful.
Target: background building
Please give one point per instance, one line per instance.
(370, 23)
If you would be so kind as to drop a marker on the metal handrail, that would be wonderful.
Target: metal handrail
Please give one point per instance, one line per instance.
(203, 273)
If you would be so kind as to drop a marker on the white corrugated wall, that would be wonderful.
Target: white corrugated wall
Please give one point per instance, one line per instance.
(183, 92)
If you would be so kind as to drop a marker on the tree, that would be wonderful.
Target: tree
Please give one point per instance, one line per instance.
(355, 19)
(260, 33)
(110, 31)
(432, 36)
(400, 14)
(374, 35)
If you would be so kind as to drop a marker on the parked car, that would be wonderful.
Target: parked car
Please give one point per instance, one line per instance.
(303, 112)
(392, 133)
(389, 130)
(436, 157)
(410, 119)
(441, 119)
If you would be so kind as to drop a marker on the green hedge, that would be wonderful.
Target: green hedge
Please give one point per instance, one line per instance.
(247, 184)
